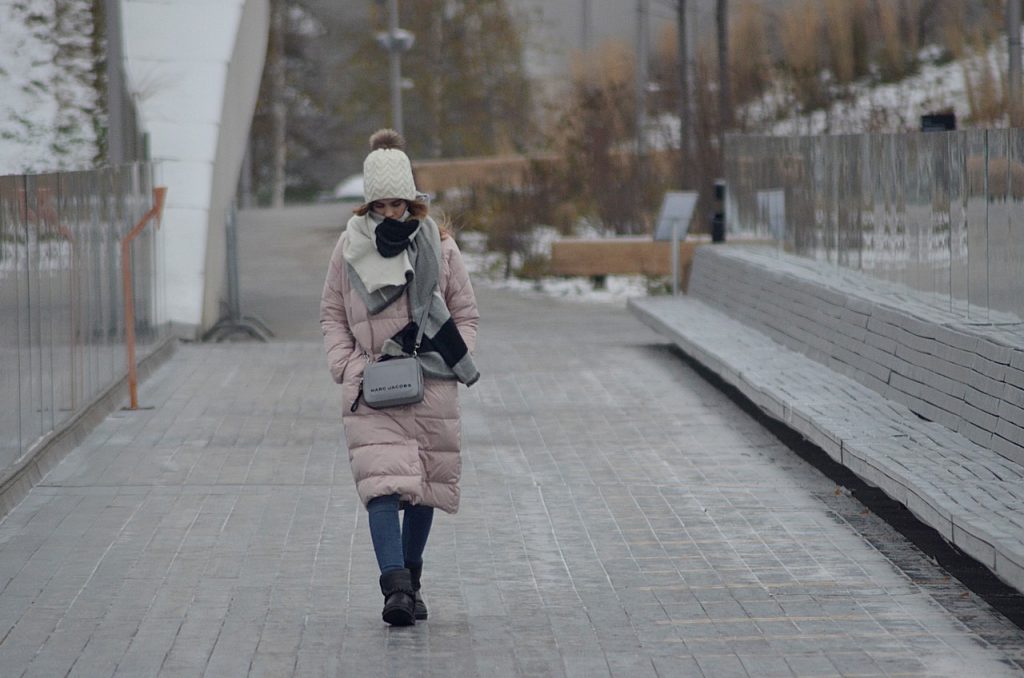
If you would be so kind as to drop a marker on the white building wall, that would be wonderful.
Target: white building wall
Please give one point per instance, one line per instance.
(196, 66)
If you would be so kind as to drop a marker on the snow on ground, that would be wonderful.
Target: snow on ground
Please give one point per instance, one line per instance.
(487, 270)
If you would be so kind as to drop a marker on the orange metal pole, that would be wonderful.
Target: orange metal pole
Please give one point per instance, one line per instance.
(156, 210)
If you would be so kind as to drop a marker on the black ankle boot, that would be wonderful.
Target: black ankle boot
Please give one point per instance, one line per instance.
(399, 598)
(421, 607)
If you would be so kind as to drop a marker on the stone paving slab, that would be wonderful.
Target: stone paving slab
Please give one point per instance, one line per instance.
(971, 495)
(620, 517)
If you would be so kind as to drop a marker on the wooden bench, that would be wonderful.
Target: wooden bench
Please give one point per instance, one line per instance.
(625, 256)
(618, 256)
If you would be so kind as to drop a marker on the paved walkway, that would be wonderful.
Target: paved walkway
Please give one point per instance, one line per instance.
(620, 517)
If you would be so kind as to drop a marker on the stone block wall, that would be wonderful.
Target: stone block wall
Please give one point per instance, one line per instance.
(900, 343)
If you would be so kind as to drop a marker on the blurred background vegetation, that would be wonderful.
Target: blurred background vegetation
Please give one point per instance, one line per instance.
(470, 94)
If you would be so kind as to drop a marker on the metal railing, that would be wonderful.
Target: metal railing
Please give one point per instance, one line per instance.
(940, 212)
(62, 320)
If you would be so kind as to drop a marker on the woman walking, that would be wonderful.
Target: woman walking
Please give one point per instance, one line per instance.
(392, 270)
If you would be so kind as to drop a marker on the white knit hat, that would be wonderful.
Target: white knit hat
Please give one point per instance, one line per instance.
(387, 172)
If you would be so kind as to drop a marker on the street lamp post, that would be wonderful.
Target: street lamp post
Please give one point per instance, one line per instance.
(395, 41)
(641, 78)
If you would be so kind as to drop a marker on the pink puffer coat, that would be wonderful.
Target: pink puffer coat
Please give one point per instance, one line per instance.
(414, 449)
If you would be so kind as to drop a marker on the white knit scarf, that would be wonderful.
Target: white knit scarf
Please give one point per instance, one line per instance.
(361, 253)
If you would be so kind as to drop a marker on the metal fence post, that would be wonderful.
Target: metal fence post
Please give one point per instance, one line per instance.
(235, 322)
(676, 223)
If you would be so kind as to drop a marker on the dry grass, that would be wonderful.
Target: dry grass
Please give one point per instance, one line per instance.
(840, 18)
(953, 21)
(749, 65)
(891, 56)
(983, 81)
(799, 30)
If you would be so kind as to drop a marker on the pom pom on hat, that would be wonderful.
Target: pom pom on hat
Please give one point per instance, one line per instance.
(386, 138)
(387, 172)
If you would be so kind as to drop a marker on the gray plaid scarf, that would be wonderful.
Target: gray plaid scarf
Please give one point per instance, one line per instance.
(442, 351)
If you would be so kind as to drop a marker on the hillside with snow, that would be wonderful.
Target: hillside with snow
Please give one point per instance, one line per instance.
(49, 98)
(868, 106)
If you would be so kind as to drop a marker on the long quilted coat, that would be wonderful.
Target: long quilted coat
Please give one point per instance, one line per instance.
(412, 450)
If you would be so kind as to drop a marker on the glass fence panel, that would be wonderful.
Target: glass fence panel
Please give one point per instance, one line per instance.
(848, 201)
(55, 243)
(121, 214)
(73, 270)
(998, 231)
(784, 160)
(896, 230)
(1012, 262)
(772, 168)
(976, 163)
(873, 257)
(804, 228)
(107, 282)
(958, 194)
(928, 215)
(62, 335)
(814, 228)
(97, 277)
(11, 246)
(69, 217)
(865, 201)
(939, 219)
(917, 212)
(901, 225)
(87, 221)
(940, 212)
(887, 239)
(37, 297)
(730, 169)
(828, 204)
(94, 316)
(29, 406)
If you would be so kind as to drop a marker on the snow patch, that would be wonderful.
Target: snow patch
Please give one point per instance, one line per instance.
(887, 107)
(48, 97)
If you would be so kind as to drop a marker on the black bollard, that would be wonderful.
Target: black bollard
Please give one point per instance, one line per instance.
(718, 227)
(718, 219)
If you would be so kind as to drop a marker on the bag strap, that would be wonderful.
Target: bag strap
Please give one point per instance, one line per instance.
(421, 326)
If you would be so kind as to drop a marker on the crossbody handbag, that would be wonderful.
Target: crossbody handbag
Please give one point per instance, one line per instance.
(390, 382)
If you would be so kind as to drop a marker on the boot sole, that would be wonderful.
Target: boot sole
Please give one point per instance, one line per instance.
(420, 607)
(399, 617)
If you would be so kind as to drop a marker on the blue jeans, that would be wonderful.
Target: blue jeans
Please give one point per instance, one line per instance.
(397, 547)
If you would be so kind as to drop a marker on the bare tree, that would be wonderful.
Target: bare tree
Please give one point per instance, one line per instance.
(1013, 39)
(724, 89)
(685, 96)
(278, 109)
